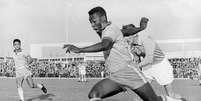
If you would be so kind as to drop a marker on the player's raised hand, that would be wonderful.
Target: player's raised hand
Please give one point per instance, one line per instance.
(71, 48)
(143, 22)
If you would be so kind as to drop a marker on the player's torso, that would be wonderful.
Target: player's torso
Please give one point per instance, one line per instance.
(19, 60)
(137, 47)
(118, 56)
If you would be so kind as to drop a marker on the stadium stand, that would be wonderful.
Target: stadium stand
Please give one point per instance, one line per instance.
(183, 68)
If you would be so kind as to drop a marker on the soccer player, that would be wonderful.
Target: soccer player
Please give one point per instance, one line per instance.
(102, 74)
(154, 64)
(82, 71)
(124, 74)
(199, 72)
(22, 60)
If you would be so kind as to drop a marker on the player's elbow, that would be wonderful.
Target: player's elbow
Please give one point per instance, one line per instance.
(107, 46)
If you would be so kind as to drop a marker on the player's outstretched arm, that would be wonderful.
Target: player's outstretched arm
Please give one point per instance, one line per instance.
(130, 29)
(149, 47)
(105, 44)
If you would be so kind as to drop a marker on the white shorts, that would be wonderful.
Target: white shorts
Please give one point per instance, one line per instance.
(161, 72)
(24, 72)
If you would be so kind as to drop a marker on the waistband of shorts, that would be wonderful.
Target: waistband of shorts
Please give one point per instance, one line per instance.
(21, 68)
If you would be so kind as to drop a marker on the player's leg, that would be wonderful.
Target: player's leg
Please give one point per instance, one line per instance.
(104, 88)
(146, 93)
(79, 76)
(84, 76)
(19, 82)
(32, 84)
(136, 81)
(163, 74)
(199, 77)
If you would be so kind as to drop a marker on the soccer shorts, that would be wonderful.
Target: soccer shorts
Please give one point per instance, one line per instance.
(24, 72)
(161, 72)
(129, 77)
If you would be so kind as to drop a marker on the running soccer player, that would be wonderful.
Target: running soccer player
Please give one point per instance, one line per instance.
(124, 74)
(154, 64)
(22, 60)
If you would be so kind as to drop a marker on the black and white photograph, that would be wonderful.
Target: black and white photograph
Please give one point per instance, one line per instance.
(100, 50)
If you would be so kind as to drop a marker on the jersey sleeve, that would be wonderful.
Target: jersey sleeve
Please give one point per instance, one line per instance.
(110, 34)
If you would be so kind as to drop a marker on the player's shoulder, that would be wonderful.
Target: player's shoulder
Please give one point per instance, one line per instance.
(112, 27)
(24, 52)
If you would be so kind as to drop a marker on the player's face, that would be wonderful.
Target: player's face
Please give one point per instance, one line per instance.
(95, 21)
(16, 45)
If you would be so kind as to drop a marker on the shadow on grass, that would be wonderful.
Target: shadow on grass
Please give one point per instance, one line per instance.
(42, 97)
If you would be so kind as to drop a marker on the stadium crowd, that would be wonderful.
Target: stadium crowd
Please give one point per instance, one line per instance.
(183, 68)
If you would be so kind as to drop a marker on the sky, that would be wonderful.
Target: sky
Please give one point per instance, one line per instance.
(60, 21)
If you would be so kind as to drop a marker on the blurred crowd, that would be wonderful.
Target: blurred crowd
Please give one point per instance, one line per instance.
(183, 68)
(186, 67)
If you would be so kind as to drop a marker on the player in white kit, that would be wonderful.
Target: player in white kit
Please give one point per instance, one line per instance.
(82, 71)
(22, 60)
(154, 64)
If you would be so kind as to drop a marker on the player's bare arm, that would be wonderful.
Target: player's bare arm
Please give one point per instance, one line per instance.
(149, 47)
(104, 45)
(130, 29)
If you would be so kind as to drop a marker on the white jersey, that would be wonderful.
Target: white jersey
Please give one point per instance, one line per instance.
(20, 60)
(82, 68)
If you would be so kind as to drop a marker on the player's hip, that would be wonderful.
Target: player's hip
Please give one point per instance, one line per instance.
(23, 72)
(129, 76)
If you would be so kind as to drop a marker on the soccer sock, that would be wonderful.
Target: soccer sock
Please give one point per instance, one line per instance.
(20, 92)
(95, 99)
(39, 85)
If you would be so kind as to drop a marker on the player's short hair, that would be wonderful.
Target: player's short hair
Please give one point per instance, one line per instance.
(16, 40)
(98, 10)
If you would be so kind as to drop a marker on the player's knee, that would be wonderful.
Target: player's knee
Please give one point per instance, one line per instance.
(19, 85)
